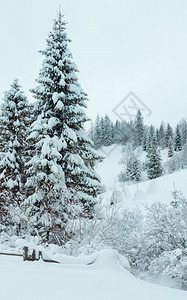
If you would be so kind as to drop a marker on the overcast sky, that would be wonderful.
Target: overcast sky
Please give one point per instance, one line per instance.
(118, 45)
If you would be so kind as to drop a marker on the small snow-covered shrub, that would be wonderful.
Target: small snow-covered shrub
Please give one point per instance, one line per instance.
(173, 164)
(172, 264)
(85, 233)
(116, 197)
(123, 176)
(164, 247)
(122, 231)
(184, 156)
(178, 161)
(111, 228)
(167, 224)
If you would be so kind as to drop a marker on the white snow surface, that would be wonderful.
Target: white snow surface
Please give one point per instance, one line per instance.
(105, 277)
(110, 167)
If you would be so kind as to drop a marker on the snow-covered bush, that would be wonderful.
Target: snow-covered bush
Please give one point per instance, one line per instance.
(172, 264)
(184, 157)
(84, 231)
(122, 230)
(165, 231)
(116, 197)
(177, 161)
(109, 228)
(174, 163)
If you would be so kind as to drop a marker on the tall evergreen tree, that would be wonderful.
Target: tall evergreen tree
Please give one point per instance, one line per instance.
(184, 156)
(117, 132)
(145, 139)
(139, 129)
(178, 139)
(152, 134)
(161, 136)
(108, 131)
(46, 204)
(91, 132)
(154, 161)
(131, 164)
(170, 147)
(14, 127)
(135, 170)
(168, 134)
(102, 131)
(97, 133)
(151, 131)
(60, 104)
(183, 130)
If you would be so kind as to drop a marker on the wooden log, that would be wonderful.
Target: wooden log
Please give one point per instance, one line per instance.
(51, 261)
(11, 254)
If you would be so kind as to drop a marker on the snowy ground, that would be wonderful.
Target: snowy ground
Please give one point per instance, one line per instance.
(110, 168)
(104, 279)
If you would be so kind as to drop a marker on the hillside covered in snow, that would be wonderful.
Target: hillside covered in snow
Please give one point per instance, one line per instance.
(137, 194)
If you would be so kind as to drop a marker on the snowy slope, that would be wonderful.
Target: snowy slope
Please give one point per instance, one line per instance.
(148, 192)
(110, 168)
(137, 194)
(104, 279)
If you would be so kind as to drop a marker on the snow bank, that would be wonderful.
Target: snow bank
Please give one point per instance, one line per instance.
(139, 195)
(106, 258)
(153, 187)
(109, 258)
(101, 280)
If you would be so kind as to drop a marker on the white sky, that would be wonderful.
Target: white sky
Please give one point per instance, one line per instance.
(118, 45)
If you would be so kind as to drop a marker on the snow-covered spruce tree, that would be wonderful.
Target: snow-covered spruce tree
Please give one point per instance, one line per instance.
(178, 139)
(102, 131)
(46, 205)
(136, 170)
(154, 167)
(170, 147)
(131, 165)
(161, 135)
(152, 133)
(14, 122)
(91, 132)
(117, 132)
(184, 156)
(168, 134)
(183, 129)
(97, 133)
(108, 131)
(145, 139)
(60, 103)
(139, 129)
